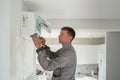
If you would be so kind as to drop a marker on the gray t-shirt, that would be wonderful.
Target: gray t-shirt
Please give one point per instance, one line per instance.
(62, 62)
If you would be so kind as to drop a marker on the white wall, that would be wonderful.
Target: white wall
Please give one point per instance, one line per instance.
(4, 39)
(86, 54)
(9, 24)
(101, 60)
(16, 8)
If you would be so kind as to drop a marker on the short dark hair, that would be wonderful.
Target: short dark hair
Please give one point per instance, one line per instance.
(69, 30)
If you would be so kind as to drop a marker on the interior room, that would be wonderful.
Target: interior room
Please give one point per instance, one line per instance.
(97, 26)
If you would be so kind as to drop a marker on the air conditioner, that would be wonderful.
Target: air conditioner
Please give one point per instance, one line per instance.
(32, 23)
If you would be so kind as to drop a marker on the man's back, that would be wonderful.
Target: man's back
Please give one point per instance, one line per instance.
(67, 71)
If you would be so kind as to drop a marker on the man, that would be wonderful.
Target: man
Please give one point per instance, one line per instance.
(62, 62)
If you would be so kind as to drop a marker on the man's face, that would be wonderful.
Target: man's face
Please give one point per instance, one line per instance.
(63, 37)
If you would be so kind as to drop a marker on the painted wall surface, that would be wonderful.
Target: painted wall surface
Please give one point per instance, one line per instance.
(101, 60)
(112, 55)
(86, 54)
(4, 39)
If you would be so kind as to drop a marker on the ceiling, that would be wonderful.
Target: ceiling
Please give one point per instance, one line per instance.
(75, 8)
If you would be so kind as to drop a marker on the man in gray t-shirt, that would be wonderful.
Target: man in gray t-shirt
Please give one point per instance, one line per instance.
(63, 61)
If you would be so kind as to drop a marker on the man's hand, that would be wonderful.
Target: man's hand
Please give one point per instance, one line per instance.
(39, 42)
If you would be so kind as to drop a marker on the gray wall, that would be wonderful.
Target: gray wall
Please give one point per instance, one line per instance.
(113, 56)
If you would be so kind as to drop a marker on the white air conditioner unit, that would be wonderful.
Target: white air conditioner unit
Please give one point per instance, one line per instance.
(32, 23)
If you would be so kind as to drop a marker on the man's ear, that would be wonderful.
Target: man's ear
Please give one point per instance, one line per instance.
(70, 38)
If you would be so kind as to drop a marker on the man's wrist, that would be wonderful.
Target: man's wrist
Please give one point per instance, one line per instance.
(41, 48)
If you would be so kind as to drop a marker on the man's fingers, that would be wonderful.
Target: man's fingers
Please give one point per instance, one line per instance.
(38, 41)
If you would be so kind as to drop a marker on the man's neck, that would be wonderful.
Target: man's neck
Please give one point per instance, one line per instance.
(67, 44)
